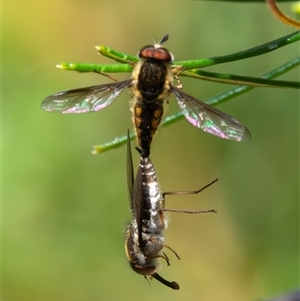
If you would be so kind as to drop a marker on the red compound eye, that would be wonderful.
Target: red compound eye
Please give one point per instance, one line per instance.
(161, 54)
(146, 52)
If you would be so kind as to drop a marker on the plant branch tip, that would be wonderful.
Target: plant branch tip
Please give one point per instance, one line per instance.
(96, 150)
(59, 66)
(296, 8)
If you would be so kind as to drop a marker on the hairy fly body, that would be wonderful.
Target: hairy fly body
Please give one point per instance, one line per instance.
(144, 242)
(150, 88)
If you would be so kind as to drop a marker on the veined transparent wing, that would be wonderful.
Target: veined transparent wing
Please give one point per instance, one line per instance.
(84, 100)
(130, 173)
(135, 191)
(138, 203)
(209, 119)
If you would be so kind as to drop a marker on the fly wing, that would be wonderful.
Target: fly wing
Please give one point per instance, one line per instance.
(135, 191)
(138, 202)
(84, 100)
(130, 175)
(209, 119)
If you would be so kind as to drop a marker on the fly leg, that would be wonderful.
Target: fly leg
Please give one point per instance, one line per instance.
(188, 192)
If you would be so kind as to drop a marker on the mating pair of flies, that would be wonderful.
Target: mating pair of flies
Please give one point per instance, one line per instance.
(150, 87)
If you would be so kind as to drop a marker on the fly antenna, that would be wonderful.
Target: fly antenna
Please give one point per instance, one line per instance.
(163, 40)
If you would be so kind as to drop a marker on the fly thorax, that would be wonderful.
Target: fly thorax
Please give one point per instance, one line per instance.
(151, 78)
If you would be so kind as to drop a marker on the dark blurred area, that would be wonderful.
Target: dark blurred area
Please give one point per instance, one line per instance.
(293, 296)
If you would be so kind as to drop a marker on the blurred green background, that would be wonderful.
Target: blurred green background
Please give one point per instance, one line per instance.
(65, 210)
